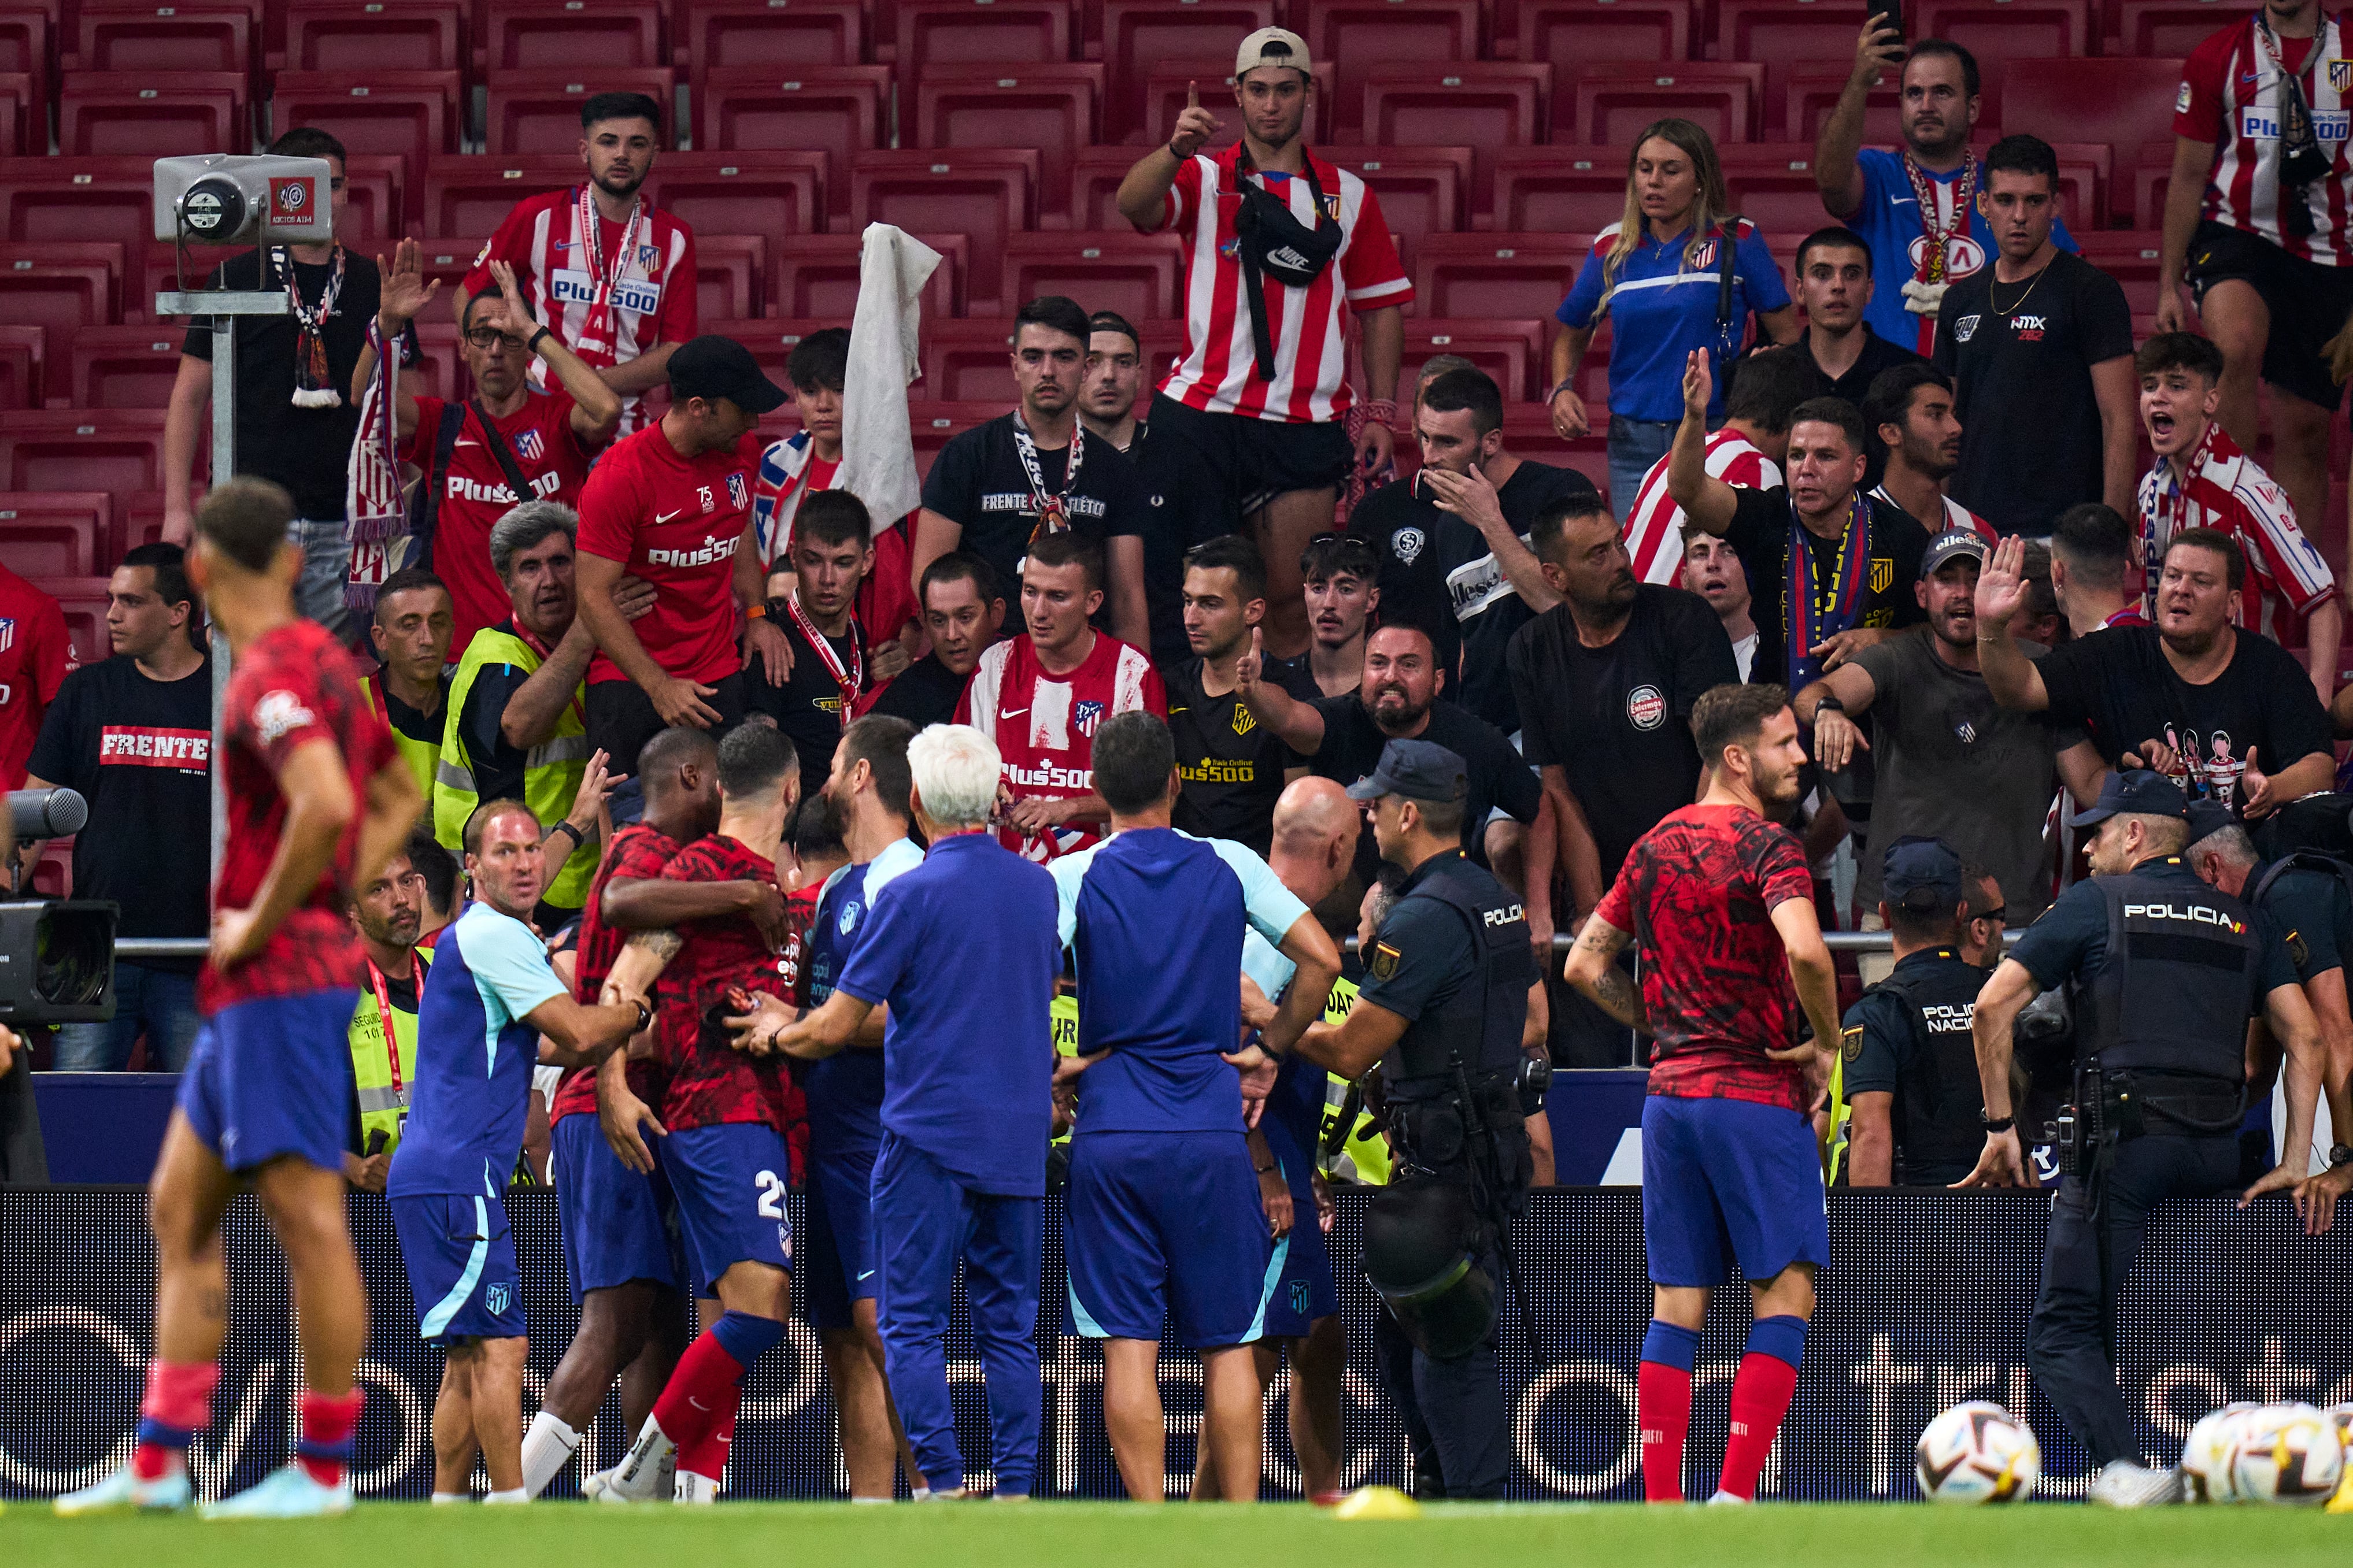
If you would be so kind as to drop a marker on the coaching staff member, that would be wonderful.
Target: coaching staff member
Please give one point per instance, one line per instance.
(2160, 1079)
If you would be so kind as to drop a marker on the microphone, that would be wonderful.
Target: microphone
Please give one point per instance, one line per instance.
(47, 812)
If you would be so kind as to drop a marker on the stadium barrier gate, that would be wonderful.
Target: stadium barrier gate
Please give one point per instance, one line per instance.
(1924, 1304)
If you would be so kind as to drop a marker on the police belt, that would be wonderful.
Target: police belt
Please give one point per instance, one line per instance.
(2138, 1102)
(1432, 1130)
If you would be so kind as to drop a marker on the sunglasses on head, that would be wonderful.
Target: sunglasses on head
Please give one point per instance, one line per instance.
(1349, 546)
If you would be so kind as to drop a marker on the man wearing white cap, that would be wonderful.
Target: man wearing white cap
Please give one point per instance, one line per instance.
(1275, 241)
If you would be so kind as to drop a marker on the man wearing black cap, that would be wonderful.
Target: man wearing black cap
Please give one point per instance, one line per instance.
(672, 505)
(1448, 983)
(1906, 1066)
(2164, 972)
(1950, 761)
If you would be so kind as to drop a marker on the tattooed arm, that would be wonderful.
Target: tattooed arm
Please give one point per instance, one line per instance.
(641, 963)
(1593, 970)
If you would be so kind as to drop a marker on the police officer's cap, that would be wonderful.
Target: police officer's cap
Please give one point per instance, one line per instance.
(1416, 770)
(2207, 818)
(2138, 793)
(1923, 875)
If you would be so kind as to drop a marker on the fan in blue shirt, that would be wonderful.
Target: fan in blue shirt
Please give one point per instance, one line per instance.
(1164, 1215)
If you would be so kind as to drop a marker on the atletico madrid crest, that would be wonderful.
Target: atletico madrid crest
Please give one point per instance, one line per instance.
(1244, 721)
(738, 492)
(1882, 574)
(529, 447)
(1086, 716)
(2340, 75)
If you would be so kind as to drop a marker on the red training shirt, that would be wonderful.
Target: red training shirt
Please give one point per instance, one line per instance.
(711, 1083)
(637, 852)
(1697, 891)
(676, 522)
(294, 684)
(36, 655)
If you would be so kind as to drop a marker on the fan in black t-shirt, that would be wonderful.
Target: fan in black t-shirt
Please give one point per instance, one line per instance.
(1232, 766)
(832, 553)
(961, 610)
(2226, 713)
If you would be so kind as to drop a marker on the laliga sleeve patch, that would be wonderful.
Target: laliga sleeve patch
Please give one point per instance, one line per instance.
(1384, 963)
(1851, 1043)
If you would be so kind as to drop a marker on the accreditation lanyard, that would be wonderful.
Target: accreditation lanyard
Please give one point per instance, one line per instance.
(595, 344)
(1810, 612)
(384, 1015)
(849, 678)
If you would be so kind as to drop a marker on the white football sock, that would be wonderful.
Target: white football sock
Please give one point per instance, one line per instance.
(694, 1488)
(519, 1494)
(547, 1447)
(444, 1499)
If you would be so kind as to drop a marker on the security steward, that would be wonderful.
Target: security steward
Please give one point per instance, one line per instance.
(1906, 1065)
(1444, 1009)
(518, 724)
(387, 913)
(2164, 974)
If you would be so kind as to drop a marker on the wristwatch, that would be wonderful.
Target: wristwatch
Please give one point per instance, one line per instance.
(2340, 1154)
(530, 343)
(1996, 1123)
(645, 1014)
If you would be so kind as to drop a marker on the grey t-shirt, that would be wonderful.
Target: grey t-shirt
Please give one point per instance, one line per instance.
(1955, 765)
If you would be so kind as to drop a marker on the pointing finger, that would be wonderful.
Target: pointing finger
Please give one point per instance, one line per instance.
(1192, 95)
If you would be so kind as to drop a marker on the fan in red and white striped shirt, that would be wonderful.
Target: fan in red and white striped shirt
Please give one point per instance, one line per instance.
(1654, 524)
(2231, 100)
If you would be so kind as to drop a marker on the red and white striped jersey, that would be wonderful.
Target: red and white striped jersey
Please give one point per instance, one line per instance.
(653, 297)
(1655, 525)
(2230, 99)
(1955, 516)
(1044, 725)
(2226, 490)
(1218, 370)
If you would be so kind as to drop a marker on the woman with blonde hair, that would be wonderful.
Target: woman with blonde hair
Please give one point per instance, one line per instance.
(1659, 273)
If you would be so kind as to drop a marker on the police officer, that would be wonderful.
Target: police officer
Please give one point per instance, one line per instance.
(2306, 897)
(387, 913)
(1444, 1008)
(1906, 1065)
(2164, 973)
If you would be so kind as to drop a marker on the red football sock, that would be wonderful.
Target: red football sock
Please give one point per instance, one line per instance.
(178, 1405)
(327, 1424)
(707, 1458)
(1761, 1397)
(706, 1386)
(1664, 1402)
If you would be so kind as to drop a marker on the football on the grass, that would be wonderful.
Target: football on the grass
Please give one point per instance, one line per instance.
(2210, 1451)
(2288, 1454)
(1978, 1453)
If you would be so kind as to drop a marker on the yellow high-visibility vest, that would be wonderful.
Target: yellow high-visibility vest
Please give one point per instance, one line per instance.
(385, 1077)
(551, 773)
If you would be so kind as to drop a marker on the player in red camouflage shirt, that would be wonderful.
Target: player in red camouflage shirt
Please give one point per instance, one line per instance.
(723, 1117)
(318, 800)
(1719, 897)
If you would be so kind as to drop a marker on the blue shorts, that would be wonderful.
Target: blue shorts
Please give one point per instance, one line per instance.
(729, 1185)
(617, 1225)
(837, 1254)
(1167, 1225)
(461, 1267)
(272, 1077)
(1727, 1180)
(1304, 1288)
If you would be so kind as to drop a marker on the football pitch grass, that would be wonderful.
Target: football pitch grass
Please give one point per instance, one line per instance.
(1116, 1535)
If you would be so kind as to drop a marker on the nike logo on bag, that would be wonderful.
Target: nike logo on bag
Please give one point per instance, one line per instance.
(662, 516)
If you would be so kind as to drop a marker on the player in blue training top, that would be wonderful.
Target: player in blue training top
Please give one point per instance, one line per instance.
(1164, 1219)
(868, 794)
(489, 997)
(962, 949)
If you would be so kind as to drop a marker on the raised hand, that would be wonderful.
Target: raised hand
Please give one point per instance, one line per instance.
(2001, 586)
(405, 290)
(519, 321)
(1195, 125)
(1878, 47)
(1252, 665)
(1699, 383)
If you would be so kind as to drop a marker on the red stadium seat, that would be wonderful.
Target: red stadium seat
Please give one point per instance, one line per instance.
(968, 32)
(1140, 37)
(1577, 190)
(1357, 35)
(376, 35)
(2152, 175)
(1136, 275)
(1095, 175)
(2124, 103)
(159, 271)
(139, 517)
(1563, 31)
(123, 367)
(731, 272)
(937, 424)
(538, 111)
(1054, 108)
(110, 114)
(1772, 184)
(1783, 38)
(25, 39)
(375, 187)
(410, 115)
(817, 277)
(714, 35)
(1997, 31)
(57, 534)
(1519, 277)
(448, 258)
(84, 602)
(986, 193)
(22, 349)
(1166, 84)
(840, 111)
(1423, 190)
(1528, 432)
(2169, 30)
(20, 95)
(1811, 92)
(2130, 257)
(171, 38)
(969, 360)
(473, 193)
(1608, 105)
(586, 34)
(1510, 352)
(771, 341)
(2085, 180)
(119, 451)
(771, 194)
(59, 288)
(1475, 104)
(441, 373)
